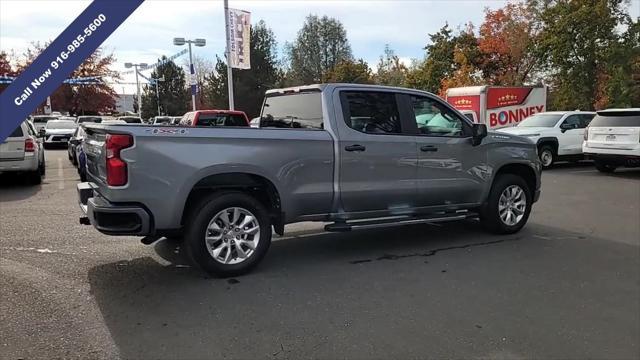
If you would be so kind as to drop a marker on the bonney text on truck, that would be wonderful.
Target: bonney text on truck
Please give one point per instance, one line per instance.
(356, 156)
(498, 106)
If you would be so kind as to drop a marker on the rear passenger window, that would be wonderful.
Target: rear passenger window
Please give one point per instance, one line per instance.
(17, 132)
(297, 110)
(371, 112)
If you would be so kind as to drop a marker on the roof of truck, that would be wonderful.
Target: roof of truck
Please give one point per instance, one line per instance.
(322, 87)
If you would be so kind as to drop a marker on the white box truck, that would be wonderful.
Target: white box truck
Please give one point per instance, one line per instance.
(498, 106)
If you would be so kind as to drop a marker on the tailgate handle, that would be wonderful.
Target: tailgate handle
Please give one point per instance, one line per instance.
(428, 148)
(355, 147)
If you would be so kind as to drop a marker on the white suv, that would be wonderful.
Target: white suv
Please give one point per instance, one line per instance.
(22, 152)
(558, 134)
(613, 139)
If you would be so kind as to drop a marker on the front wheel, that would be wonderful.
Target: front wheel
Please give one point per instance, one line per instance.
(227, 233)
(604, 167)
(547, 156)
(508, 206)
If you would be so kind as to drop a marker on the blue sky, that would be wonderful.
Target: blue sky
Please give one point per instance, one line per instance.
(148, 33)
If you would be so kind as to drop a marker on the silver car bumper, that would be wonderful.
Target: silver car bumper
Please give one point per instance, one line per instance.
(110, 218)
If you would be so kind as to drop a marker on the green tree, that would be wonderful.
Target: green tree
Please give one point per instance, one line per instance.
(390, 70)
(438, 63)
(173, 93)
(451, 59)
(577, 43)
(348, 71)
(320, 45)
(251, 84)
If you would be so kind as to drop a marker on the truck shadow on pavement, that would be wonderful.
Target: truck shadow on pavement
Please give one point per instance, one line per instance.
(14, 187)
(424, 290)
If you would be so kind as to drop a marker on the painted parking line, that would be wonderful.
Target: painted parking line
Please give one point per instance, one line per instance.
(60, 175)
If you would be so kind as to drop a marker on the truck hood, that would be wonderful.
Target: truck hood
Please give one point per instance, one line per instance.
(60, 131)
(523, 130)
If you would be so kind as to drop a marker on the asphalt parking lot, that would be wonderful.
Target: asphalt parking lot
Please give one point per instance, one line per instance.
(567, 286)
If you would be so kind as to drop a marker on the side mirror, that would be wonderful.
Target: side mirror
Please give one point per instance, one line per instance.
(565, 127)
(74, 141)
(479, 133)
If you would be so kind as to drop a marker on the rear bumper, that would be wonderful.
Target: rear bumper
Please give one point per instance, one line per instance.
(113, 219)
(616, 159)
(28, 163)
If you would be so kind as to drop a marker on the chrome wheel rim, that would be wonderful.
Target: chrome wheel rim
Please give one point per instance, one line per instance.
(232, 235)
(546, 157)
(512, 205)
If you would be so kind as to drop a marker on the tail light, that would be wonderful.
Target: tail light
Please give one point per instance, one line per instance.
(29, 145)
(586, 134)
(116, 167)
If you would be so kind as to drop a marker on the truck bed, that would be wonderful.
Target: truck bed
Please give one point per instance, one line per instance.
(165, 163)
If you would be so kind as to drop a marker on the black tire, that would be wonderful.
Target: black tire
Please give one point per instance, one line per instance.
(43, 169)
(83, 175)
(543, 152)
(34, 177)
(604, 167)
(489, 214)
(199, 216)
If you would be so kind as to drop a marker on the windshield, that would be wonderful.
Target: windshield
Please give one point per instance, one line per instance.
(84, 119)
(540, 120)
(300, 110)
(61, 124)
(43, 119)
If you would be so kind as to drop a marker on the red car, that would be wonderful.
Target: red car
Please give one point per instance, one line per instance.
(215, 118)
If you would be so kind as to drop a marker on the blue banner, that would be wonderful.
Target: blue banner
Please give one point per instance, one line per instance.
(76, 43)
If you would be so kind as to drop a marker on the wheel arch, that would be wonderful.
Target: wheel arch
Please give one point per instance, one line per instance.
(256, 185)
(549, 140)
(525, 171)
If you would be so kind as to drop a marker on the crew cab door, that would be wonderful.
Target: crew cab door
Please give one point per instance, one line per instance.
(451, 171)
(377, 161)
(572, 134)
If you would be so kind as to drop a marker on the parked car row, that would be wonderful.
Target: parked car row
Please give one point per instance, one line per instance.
(610, 137)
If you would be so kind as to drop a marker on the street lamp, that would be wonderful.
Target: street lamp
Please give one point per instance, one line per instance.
(155, 81)
(135, 66)
(199, 43)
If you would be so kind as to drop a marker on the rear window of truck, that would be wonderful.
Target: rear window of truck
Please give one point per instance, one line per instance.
(296, 110)
(221, 120)
(616, 119)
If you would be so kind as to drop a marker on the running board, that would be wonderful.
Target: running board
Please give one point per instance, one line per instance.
(398, 221)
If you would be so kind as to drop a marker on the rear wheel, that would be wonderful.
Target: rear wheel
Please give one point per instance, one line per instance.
(546, 155)
(227, 233)
(34, 177)
(508, 206)
(604, 167)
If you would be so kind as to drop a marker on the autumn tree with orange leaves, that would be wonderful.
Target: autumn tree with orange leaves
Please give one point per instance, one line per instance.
(507, 41)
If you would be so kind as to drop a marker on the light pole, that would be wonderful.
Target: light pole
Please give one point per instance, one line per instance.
(155, 81)
(192, 70)
(135, 67)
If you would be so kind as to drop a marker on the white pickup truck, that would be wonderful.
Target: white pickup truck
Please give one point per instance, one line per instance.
(558, 134)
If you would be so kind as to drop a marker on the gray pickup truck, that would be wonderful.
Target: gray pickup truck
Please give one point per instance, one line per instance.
(355, 156)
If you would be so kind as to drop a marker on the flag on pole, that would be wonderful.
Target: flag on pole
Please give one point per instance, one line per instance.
(239, 38)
